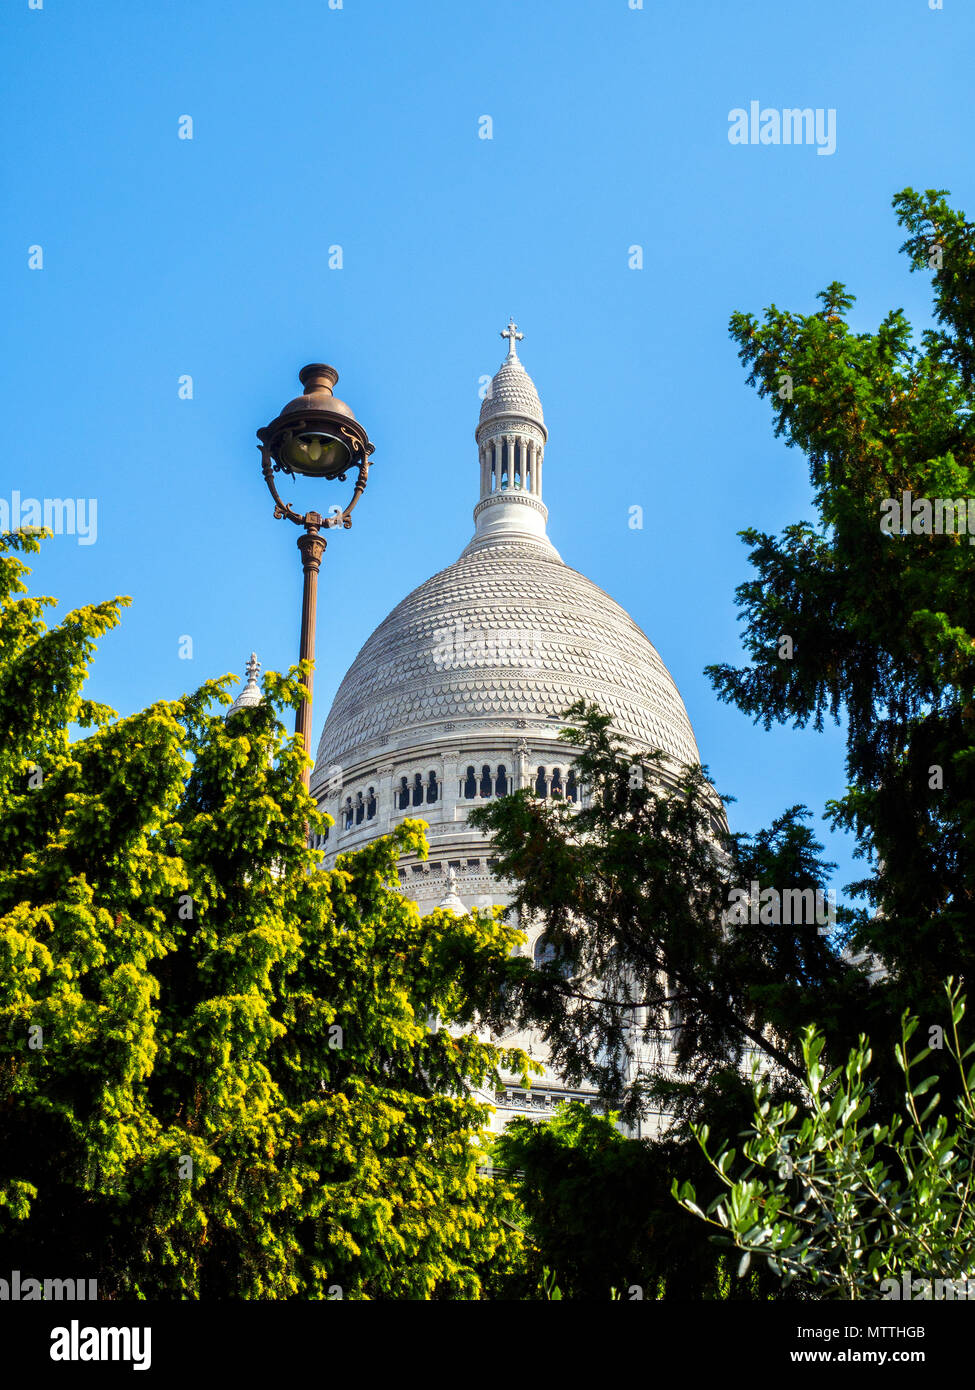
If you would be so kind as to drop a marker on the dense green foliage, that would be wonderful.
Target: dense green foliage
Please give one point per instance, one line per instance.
(599, 1215)
(217, 1077)
(849, 1204)
(632, 891)
(883, 625)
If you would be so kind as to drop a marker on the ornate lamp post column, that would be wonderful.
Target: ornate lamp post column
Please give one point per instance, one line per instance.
(318, 436)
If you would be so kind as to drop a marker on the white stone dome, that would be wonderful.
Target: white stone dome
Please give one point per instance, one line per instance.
(511, 395)
(512, 392)
(506, 636)
(459, 695)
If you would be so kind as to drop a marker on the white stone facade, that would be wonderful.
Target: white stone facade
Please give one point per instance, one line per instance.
(459, 694)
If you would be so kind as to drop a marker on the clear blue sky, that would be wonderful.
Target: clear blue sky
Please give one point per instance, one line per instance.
(359, 127)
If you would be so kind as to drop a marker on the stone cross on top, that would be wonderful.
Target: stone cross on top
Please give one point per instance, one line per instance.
(511, 333)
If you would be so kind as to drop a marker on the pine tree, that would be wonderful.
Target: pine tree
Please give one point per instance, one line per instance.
(880, 603)
(632, 892)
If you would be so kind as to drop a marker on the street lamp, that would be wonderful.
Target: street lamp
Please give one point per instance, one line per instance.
(316, 435)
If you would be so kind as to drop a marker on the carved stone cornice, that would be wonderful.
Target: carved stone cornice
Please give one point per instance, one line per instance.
(506, 497)
(519, 425)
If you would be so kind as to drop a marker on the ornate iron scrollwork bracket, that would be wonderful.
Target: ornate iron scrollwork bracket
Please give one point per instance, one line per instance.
(283, 510)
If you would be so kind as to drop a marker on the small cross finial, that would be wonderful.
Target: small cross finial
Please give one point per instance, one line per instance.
(253, 667)
(511, 333)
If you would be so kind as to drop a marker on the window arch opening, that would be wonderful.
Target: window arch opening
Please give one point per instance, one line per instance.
(546, 954)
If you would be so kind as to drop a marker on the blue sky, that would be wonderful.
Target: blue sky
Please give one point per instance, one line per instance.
(358, 127)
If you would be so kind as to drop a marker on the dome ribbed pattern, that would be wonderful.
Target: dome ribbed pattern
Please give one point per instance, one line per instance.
(512, 391)
(537, 636)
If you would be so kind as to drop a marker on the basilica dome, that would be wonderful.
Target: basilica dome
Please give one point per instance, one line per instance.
(507, 633)
(504, 640)
(459, 695)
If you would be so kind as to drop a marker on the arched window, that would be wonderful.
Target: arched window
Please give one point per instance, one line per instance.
(502, 784)
(557, 788)
(349, 813)
(572, 786)
(418, 790)
(545, 952)
(540, 788)
(403, 795)
(433, 789)
(371, 804)
(470, 785)
(360, 808)
(505, 465)
(485, 780)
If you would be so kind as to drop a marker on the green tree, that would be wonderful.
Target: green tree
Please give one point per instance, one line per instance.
(850, 1205)
(599, 1217)
(217, 1076)
(632, 891)
(882, 621)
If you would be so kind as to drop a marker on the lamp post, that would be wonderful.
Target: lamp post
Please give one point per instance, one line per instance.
(315, 435)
